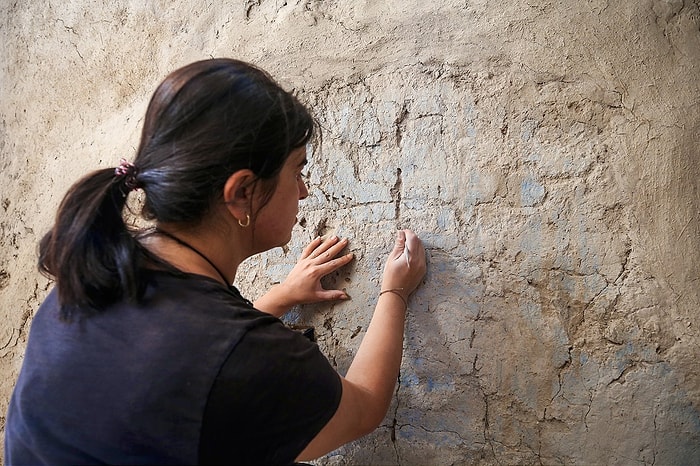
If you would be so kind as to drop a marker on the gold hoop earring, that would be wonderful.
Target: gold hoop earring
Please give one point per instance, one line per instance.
(247, 221)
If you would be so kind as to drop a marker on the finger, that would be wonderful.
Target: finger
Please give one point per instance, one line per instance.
(416, 248)
(413, 242)
(336, 248)
(331, 295)
(333, 265)
(399, 245)
(310, 247)
(324, 247)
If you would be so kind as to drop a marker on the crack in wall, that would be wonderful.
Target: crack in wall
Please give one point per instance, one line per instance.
(396, 196)
(487, 428)
(395, 420)
(400, 125)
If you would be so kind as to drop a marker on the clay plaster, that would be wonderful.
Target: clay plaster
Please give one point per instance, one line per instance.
(546, 152)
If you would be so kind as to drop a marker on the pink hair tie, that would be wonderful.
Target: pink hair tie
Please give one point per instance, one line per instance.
(128, 171)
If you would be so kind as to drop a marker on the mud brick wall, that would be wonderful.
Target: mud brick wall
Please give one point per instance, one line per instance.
(546, 152)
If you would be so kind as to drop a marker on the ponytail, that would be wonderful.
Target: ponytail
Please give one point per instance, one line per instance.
(90, 251)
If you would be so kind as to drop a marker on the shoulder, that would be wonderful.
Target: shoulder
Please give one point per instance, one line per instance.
(285, 350)
(196, 295)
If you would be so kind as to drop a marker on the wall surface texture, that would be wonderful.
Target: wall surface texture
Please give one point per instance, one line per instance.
(546, 151)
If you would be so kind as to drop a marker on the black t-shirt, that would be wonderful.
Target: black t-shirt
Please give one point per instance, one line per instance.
(191, 374)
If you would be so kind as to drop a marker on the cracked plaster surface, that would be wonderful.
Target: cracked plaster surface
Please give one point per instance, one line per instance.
(546, 152)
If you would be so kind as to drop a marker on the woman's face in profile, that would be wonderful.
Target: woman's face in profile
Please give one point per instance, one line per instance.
(274, 222)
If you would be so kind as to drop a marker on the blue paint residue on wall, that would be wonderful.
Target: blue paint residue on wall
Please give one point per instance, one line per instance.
(444, 383)
(531, 192)
(428, 383)
(409, 380)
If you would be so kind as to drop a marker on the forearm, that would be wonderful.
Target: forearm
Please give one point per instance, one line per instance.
(376, 365)
(273, 302)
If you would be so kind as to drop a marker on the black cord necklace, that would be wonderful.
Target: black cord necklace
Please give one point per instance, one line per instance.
(193, 249)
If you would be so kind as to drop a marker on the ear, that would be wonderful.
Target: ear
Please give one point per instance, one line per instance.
(238, 193)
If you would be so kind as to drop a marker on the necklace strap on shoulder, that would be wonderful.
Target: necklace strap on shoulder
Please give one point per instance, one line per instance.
(195, 250)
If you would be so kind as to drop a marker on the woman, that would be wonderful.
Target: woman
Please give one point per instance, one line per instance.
(144, 352)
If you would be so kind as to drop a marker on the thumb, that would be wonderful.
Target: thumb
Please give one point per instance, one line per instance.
(399, 244)
(333, 295)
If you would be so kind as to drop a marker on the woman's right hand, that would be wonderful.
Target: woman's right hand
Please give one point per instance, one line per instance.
(405, 266)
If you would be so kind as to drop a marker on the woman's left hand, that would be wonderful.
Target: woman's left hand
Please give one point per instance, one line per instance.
(303, 284)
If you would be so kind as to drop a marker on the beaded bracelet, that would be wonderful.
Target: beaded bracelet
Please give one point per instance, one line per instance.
(396, 292)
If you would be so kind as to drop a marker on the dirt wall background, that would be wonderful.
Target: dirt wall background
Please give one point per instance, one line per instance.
(546, 151)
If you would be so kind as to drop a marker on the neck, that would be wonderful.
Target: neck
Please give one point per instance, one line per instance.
(170, 247)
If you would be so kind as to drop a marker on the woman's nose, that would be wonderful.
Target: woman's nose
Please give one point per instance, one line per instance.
(303, 190)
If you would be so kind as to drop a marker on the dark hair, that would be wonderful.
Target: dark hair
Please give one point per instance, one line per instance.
(204, 122)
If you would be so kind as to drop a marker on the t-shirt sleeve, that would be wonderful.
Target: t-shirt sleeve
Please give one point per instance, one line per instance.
(274, 393)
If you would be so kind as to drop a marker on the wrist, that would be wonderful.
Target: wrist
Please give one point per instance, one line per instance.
(273, 302)
(398, 292)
